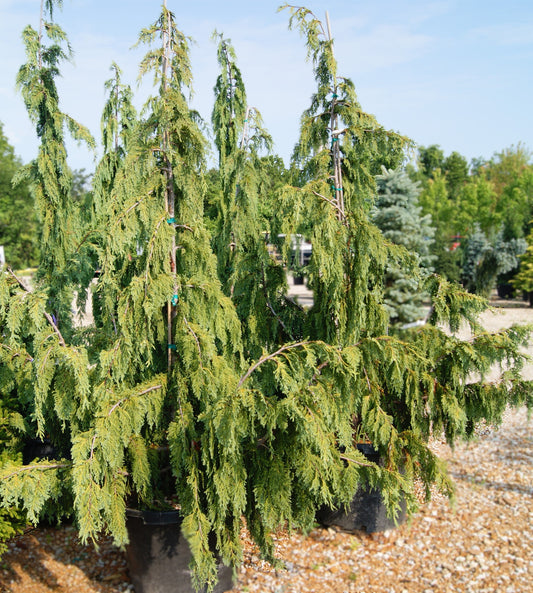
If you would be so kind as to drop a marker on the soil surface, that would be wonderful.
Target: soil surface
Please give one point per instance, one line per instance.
(483, 544)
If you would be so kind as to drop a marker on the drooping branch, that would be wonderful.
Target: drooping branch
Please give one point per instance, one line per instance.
(48, 317)
(196, 340)
(151, 252)
(27, 468)
(340, 212)
(121, 401)
(271, 356)
(15, 354)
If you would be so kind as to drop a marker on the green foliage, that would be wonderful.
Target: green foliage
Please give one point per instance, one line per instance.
(249, 274)
(340, 150)
(431, 159)
(12, 523)
(497, 197)
(12, 426)
(524, 278)
(455, 168)
(511, 173)
(18, 223)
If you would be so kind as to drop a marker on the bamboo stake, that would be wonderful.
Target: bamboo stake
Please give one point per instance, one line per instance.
(170, 199)
(244, 139)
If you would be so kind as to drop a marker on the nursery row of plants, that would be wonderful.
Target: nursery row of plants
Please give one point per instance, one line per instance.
(202, 385)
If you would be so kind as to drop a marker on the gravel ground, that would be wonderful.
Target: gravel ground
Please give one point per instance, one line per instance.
(482, 545)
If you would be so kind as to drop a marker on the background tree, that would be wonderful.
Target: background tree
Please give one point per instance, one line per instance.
(484, 261)
(475, 204)
(435, 202)
(511, 174)
(455, 169)
(18, 223)
(496, 197)
(430, 158)
(399, 217)
(523, 280)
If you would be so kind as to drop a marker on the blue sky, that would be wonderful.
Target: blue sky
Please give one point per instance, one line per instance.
(448, 72)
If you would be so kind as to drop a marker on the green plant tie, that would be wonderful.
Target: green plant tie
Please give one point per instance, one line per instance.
(171, 220)
(172, 347)
(174, 299)
(334, 95)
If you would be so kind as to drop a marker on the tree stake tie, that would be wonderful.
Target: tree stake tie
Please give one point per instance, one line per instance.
(172, 347)
(171, 220)
(174, 299)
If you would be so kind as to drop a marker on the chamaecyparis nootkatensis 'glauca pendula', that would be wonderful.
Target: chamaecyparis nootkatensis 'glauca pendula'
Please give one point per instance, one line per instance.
(250, 274)
(43, 368)
(400, 388)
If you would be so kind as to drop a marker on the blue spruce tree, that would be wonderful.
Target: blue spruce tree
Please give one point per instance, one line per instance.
(399, 217)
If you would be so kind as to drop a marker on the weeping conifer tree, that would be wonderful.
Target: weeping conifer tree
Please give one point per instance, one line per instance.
(135, 400)
(43, 371)
(340, 150)
(37, 322)
(401, 388)
(49, 174)
(250, 275)
(174, 338)
(118, 122)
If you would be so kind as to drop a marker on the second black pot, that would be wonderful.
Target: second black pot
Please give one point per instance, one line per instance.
(367, 510)
(158, 555)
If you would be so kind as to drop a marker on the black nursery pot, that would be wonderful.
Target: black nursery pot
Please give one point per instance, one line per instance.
(158, 555)
(367, 510)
